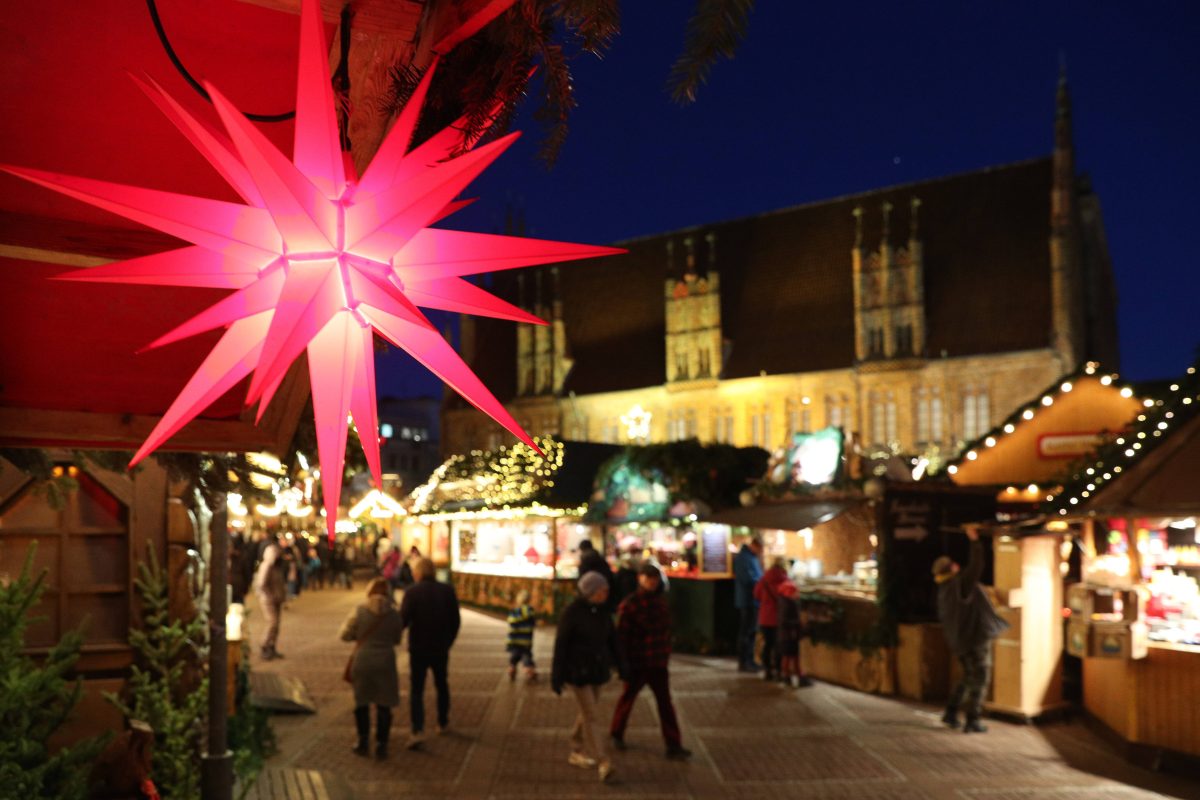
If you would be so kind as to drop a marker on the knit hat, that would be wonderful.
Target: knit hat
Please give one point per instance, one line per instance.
(592, 582)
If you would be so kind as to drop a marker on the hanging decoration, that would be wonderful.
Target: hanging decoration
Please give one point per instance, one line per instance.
(318, 258)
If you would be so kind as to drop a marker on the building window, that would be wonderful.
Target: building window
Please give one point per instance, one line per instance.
(976, 413)
(929, 415)
(760, 427)
(723, 425)
(883, 417)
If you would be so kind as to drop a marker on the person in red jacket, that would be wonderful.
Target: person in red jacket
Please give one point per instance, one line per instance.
(766, 592)
(644, 649)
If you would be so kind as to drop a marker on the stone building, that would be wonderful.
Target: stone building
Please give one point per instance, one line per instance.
(912, 316)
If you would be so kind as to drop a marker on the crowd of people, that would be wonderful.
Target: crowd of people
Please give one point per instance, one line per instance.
(617, 622)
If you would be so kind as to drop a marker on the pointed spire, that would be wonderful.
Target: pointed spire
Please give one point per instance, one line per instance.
(1062, 114)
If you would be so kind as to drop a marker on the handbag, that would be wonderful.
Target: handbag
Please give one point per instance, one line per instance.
(347, 673)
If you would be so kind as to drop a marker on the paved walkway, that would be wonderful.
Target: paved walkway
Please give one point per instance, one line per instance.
(751, 739)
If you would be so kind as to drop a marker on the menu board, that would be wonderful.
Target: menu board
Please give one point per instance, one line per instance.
(714, 549)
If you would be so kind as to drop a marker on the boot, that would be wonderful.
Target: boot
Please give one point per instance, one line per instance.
(950, 718)
(362, 724)
(974, 726)
(531, 674)
(383, 731)
(512, 673)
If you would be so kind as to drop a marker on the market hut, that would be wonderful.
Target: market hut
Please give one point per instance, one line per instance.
(1135, 616)
(1023, 460)
(508, 520)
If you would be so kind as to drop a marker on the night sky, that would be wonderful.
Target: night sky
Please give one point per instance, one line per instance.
(829, 99)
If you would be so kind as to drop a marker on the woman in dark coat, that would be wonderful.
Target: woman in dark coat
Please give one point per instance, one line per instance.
(376, 627)
(584, 655)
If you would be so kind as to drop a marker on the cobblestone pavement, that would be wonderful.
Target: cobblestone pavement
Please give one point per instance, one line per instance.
(750, 739)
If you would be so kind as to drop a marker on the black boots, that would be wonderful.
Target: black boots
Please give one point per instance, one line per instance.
(362, 724)
(974, 726)
(383, 729)
(950, 718)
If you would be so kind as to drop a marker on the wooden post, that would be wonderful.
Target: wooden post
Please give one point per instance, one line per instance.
(216, 777)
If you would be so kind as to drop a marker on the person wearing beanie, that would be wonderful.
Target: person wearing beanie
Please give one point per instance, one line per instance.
(969, 624)
(584, 654)
(375, 629)
(644, 650)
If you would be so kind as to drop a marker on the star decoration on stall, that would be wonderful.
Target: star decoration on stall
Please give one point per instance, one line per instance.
(319, 259)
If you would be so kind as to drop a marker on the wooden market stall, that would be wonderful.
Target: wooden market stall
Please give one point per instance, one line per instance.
(653, 502)
(1135, 615)
(507, 521)
(1023, 459)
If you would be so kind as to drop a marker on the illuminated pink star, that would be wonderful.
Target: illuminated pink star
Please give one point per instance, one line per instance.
(319, 259)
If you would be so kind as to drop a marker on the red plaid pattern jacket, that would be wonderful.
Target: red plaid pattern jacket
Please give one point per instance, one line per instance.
(644, 631)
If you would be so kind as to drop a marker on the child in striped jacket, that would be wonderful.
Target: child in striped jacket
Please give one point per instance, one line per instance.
(520, 637)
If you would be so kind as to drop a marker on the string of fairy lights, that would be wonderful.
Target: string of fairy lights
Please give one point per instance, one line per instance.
(501, 478)
(1147, 433)
(1029, 411)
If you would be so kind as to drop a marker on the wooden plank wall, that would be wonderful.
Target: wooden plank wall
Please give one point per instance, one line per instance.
(1152, 701)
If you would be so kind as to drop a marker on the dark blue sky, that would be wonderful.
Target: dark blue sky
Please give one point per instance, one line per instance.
(827, 99)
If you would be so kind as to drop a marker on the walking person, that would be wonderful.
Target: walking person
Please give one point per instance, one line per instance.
(584, 654)
(375, 628)
(747, 571)
(766, 592)
(521, 622)
(271, 592)
(430, 613)
(644, 650)
(969, 624)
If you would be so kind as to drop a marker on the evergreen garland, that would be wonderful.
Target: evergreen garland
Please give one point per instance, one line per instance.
(35, 700)
(165, 689)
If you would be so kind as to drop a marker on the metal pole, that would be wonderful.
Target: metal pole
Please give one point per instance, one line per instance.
(216, 769)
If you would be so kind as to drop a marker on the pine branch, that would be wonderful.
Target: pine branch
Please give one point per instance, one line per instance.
(714, 32)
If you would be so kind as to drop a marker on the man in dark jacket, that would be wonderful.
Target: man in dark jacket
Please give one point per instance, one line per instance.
(969, 624)
(747, 570)
(430, 613)
(644, 650)
(584, 654)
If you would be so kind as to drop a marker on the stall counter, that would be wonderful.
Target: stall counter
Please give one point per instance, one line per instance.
(1149, 701)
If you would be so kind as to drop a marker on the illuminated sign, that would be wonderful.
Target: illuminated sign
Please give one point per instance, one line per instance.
(816, 458)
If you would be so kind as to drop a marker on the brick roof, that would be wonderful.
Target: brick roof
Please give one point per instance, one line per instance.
(786, 290)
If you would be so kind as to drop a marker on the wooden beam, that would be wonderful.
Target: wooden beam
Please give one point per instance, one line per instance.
(26, 427)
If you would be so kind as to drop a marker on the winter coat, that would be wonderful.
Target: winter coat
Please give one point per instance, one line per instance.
(430, 613)
(968, 619)
(644, 632)
(375, 677)
(585, 646)
(747, 571)
(268, 581)
(766, 592)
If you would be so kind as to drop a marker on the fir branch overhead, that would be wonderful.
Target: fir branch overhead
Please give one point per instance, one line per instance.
(490, 73)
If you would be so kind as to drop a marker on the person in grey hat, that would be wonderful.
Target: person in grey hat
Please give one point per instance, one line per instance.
(584, 655)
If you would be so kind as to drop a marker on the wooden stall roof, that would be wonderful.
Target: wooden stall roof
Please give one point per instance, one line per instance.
(1038, 450)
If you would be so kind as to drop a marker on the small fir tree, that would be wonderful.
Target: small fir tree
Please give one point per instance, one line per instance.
(165, 689)
(35, 699)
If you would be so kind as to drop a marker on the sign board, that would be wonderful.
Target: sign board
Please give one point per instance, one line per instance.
(815, 459)
(714, 549)
(1068, 445)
